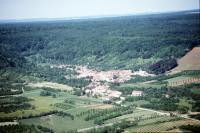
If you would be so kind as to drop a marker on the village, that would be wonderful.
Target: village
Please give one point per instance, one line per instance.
(99, 87)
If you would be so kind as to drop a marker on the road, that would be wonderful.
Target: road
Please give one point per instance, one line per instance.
(185, 116)
(96, 127)
(158, 112)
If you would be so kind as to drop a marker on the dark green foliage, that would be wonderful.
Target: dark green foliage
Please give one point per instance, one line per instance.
(7, 91)
(79, 83)
(63, 114)
(44, 129)
(110, 43)
(19, 129)
(162, 66)
(14, 107)
(167, 104)
(45, 93)
(193, 128)
(10, 104)
(196, 105)
(195, 116)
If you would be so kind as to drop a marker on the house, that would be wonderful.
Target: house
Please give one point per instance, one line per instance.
(114, 94)
(122, 98)
(118, 102)
(137, 93)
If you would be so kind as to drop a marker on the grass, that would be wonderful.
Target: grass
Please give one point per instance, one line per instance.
(136, 113)
(46, 103)
(59, 124)
(50, 85)
(138, 103)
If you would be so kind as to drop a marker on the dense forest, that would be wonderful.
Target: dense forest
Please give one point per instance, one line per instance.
(130, 42)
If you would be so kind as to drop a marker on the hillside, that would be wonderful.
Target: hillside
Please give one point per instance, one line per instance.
(131, 42)
(191, 61)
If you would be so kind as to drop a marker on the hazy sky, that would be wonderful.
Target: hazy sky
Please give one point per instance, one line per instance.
(24, 9)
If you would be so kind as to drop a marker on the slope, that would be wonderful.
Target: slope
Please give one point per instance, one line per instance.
(191, 61)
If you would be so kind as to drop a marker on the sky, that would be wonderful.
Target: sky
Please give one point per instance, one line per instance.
(28, 9)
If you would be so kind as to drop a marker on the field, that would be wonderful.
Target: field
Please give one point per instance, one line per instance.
(50, 85)
(161, 126)
(59, 124)
(189, 62)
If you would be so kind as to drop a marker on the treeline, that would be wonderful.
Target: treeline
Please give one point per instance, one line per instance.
(192, 128)
(9, 91)
(18, 129)
(4, 119)
(162, 66)
(11, 104)
(167, 104)
(115, 128)
(100, 116)
(195, 116)
(64, 106)
(24, 129)
(60, 113)
(63, 114)
(14, 107)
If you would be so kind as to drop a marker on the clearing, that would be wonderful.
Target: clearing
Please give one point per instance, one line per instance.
(189, 62)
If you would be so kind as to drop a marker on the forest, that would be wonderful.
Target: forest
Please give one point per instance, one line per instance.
(108, 43)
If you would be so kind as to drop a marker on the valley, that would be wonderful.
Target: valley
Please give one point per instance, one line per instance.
(97, 76)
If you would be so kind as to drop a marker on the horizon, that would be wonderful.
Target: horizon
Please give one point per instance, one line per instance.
(39, 9)
(89, 17)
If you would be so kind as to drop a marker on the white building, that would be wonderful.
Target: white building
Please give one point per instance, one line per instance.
(137, 93)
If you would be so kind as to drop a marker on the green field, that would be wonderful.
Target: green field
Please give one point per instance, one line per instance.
(58, 123)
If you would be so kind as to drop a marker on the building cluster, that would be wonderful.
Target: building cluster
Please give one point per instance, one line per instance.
(137, 93)
(113, 76)
(99, 86)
